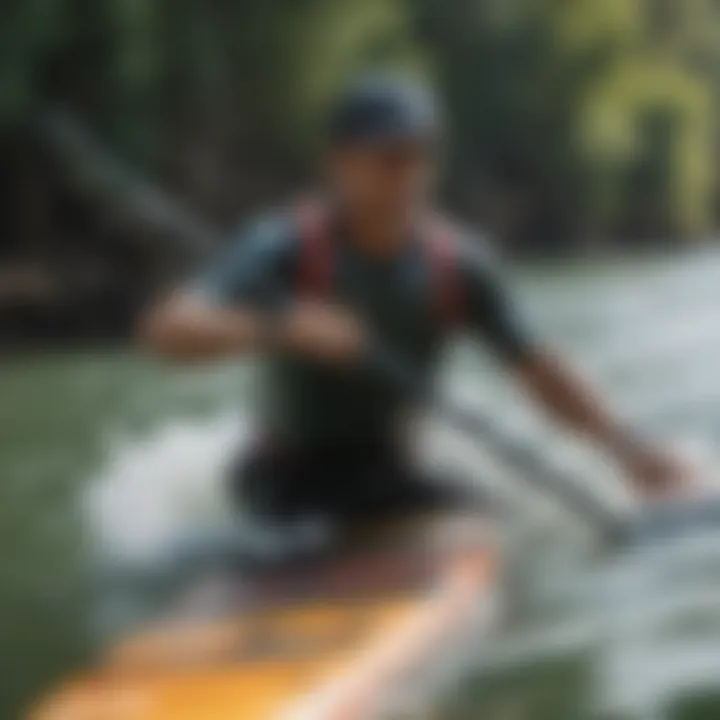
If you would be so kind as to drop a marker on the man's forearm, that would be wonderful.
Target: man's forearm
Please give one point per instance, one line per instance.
(572, 402)
(185, 328)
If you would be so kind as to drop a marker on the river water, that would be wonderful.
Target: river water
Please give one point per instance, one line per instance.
(107, 450)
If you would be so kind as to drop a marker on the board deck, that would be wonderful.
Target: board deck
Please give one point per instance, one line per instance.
(327, 640)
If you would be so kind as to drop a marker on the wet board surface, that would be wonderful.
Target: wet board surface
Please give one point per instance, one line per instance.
(328, 639)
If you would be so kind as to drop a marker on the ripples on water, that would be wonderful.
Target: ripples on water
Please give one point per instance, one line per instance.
(636, 636)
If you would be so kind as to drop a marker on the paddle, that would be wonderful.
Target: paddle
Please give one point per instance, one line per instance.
(658, 521)
(533, 466)
(160, 210)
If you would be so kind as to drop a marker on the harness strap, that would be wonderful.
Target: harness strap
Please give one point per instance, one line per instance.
(314, 277)
(315, 270)
(445, 281)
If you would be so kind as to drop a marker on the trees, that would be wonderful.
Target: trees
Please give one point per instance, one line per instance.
(587, 115)
(578, 117)
(192, 86)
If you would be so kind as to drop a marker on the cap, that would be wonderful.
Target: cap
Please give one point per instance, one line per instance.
(383, 109)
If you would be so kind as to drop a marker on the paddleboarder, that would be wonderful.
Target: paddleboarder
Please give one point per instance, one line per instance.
(369, 260)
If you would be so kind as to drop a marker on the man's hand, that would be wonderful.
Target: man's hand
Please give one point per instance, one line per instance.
(187, 327)
(654, 472)
(322, 331)
(657, 474)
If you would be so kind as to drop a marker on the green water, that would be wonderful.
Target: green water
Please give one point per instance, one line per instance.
(57, 414)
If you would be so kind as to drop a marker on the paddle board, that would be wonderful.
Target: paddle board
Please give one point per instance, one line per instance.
(350, 636)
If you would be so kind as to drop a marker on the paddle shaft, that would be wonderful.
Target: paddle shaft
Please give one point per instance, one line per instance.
(533, 466)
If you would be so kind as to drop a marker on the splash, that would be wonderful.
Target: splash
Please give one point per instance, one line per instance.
(151, 491)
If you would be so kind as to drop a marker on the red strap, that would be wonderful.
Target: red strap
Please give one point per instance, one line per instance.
(314, 278)
(445, 281)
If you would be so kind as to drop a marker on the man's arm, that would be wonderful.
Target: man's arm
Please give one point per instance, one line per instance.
(573, 402)
(224, 311)
(187, 327)
(554, 384)
(243, 304)
(567, 397)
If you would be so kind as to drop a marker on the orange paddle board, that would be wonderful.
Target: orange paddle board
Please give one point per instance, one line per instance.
(333, 639)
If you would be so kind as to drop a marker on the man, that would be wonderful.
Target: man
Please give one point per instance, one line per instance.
(312, 287)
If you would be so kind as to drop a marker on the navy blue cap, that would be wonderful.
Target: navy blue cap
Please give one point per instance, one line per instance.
(383, 109)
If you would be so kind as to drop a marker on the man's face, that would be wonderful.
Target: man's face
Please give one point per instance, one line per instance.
(391, 179)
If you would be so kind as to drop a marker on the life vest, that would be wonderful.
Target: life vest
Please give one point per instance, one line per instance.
(315, 268)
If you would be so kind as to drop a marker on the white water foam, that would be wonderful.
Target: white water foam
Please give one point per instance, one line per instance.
(151, 491)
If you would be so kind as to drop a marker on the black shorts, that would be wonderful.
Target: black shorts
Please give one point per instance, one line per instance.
(347, 483)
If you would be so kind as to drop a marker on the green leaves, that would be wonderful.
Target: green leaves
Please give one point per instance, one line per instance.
(546, 97)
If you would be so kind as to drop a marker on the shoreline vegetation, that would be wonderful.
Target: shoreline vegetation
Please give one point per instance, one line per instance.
(582, 129)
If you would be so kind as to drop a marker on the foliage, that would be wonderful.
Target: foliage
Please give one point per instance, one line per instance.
(555, 100)
(582, 117)
(151, 73)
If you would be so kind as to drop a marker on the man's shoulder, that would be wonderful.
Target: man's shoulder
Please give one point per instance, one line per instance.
(269, 236)
(275, 227)
(471, 246)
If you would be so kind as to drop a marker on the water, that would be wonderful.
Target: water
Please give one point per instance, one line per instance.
(113, 451)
